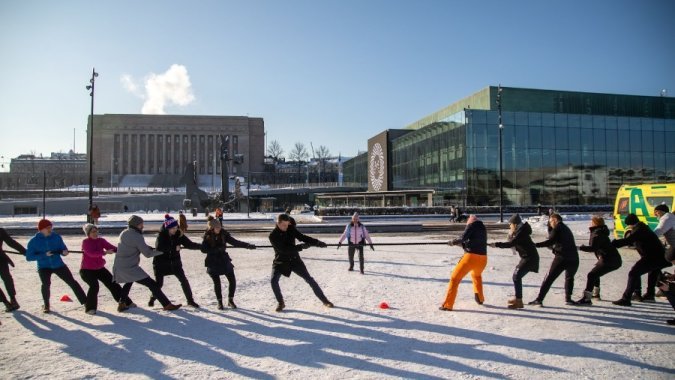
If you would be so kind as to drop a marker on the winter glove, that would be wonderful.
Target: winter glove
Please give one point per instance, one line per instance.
(300, 247)
(372, 248)
(540, 245)
(251, 246)
(493, 245)
(49, 253)
(178, 248)
(64, 253)
(339, 245)
(321, 244)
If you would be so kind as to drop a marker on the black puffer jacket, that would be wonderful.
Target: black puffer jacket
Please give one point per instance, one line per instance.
(646, 243)
(561, 241)
(522, 242)
(170, 261)
(286, 252)
(600, 244)
(218, 261)
(474, 239)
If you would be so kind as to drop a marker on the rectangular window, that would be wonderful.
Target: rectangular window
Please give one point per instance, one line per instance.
(622, 206)
(561, 141)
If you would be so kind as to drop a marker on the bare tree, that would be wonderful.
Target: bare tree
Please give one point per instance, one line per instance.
(299, 154)
(322, 154)
(275, 151)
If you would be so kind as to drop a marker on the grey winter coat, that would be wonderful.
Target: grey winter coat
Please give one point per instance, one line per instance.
(128, 257)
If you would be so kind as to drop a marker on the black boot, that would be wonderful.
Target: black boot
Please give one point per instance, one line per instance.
(220, 305)
(230, 303)
(13, 305)
(280, 307)
(192, 303)
(151, 303)
(8, 307)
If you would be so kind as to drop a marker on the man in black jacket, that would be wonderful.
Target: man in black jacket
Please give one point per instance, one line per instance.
(561, 241)
(652, 259)
(287, 258)
(5, 262)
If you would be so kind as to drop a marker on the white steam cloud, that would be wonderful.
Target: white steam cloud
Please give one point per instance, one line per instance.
(172, 87)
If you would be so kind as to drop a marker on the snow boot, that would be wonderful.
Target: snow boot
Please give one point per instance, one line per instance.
(91, 311)
(122, 307)
(151, 303)
(193, 304)
(648, 298)
(172, 307)
(516, 304)
(13, 305)
(570, 302)
(636, 296)
(586, 299)
(280, 307)
(220, 305)
(536, 303)
(45, 309)
(230, 303)
(596, 293)
(477, 298)
(512, 301)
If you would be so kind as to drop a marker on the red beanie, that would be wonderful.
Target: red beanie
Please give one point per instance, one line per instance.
(44, 223)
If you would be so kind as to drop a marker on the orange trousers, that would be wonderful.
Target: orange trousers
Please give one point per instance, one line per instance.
(470, 262)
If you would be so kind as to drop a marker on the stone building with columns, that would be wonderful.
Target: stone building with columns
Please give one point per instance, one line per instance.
(153, 150)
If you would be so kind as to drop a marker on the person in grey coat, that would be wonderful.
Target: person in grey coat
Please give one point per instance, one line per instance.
(126, 269)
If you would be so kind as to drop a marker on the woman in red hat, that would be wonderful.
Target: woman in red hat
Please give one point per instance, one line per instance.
(47, 248)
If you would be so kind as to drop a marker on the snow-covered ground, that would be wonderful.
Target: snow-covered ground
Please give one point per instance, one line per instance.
(356, 339)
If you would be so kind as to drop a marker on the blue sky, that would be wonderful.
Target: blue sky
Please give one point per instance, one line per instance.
(332, 73)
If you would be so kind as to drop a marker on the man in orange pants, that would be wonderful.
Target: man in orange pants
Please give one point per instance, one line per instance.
(474, 242)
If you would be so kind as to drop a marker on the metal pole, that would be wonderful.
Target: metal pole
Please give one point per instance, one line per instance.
(248, 196)
(91, 87)
(44, 194)
(501, 183)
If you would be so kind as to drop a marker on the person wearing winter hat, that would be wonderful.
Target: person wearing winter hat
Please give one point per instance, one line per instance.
(474, 260)
(218, 262)
(521, 242)
(11, 304)
(562, 243)
(356, 235)
(170, 240)
(666, 227)
(126, 268)
(93, 270)
(608, 257)
(652, 259)
(287, 258)
(47, 248)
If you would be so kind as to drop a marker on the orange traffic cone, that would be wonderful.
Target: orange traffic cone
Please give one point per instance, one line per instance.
(384, 305)
(65, 298)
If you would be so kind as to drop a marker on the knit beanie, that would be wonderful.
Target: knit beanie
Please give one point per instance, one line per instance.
(43, 223)
(134, 221)
(213, 223)
(515, 219)
(87, 228)
(662, 208)
(169, 222)
(631, 219)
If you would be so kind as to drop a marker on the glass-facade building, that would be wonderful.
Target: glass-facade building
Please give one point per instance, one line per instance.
(558, 148)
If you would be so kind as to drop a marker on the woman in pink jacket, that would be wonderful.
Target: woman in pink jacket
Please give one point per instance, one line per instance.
(356, 235)
(93, 268)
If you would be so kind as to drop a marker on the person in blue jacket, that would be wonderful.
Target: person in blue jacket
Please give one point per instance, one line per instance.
(47, 248)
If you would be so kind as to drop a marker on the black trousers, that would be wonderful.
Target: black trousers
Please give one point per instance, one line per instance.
(671, 298)
(150, 284)
(641, 267)
(92, 277)
(180, 275)
(558, 266)
(600, 269)
(351, 250)
(299, 269)
(518, 275)
(9, 282)
(64, 274)
(231, 279)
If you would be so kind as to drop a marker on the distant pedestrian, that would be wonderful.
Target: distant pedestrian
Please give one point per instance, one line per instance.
(11, 304)
(666, 227)
(182, 222)
(474, 260)
(652, 259)
(47, 248)
(357, 235)
(94, 214)
(287, 258)
(608, 257)
(218, 262)
(126, 268)
(521, 242)
(169, 240)
(561, 241)
(93, 270)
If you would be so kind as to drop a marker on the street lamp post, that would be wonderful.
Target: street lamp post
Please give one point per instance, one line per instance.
(90, 87)
(501, 171)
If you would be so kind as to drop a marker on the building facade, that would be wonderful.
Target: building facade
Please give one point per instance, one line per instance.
(155, 149)
(558, 148)
(61, 170)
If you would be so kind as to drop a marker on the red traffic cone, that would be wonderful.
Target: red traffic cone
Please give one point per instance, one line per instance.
(65, 298)
(384, 305)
